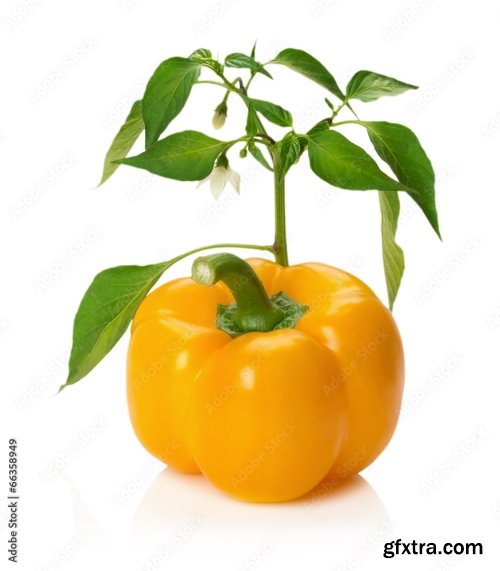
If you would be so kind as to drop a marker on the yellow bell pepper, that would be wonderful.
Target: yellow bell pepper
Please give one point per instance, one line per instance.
(268, 414)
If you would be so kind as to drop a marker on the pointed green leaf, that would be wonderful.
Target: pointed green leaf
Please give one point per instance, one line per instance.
(290, 151)
(105, 312)
(399, 147)
(239, 60)
(124, 140)
(323, 125)
(273, 112)
(254, 47)
(201, 53)
(310, 67)
(341, 163)
(253, 125)
(166, 94)
(368, 86)
(258, 155)
(394, 261)
(188, 155)
(329, 104)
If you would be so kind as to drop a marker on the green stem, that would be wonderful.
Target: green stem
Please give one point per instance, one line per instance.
(280, 244)
(254, 309)
(352, 122)
(336, 112)
(280, 249)
(226, 85)
(223, 245)
(252, 75)
(268, 140)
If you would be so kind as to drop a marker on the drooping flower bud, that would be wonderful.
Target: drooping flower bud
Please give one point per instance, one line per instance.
(220, 115)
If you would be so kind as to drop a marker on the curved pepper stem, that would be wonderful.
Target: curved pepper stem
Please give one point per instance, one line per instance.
(255, 311)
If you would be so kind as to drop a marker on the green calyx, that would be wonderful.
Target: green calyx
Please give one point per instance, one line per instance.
(292, 312)
(254, 310)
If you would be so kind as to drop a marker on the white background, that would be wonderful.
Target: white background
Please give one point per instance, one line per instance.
(91, 497)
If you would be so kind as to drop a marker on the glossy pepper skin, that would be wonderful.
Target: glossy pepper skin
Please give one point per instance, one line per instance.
(266, 416)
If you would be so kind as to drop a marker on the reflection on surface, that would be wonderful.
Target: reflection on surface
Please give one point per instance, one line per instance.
(85, 522)
(173, 497)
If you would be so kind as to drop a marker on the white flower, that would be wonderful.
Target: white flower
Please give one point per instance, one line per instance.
(219, 177)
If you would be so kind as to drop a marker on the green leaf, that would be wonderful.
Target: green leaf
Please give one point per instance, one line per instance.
(399, 147)
(310, 67)
(201, 53)
(105, 312)
(258, 155)
(329, 104)
(166, 94)
(368, 86)
(124, 140)
(292, 310)
(323, 125)
(253, 125)
(188, 155)
(290, 151)
(394, 261)
(341, 163)
(247, 62)
(273, 112)
(254, 47)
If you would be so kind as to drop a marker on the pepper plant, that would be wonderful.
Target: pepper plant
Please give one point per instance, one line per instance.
(113, 297)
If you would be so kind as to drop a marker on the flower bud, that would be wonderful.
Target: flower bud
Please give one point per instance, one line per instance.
(220, 115)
